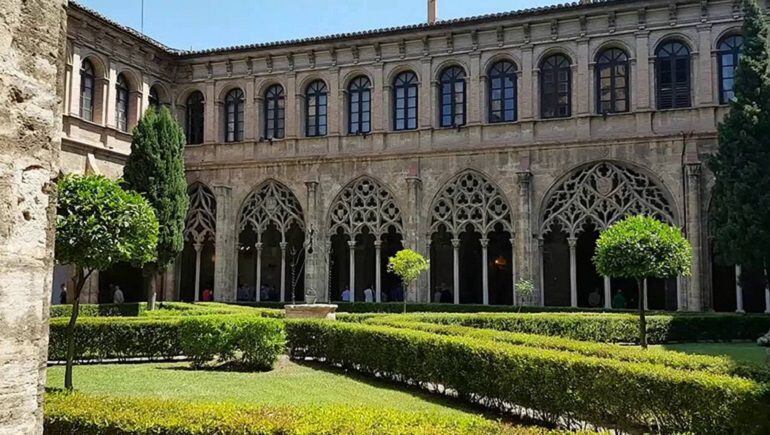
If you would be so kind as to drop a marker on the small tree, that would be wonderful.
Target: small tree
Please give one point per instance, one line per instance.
(155, 169)
(640, 247)
(408, 265)
(99, 224)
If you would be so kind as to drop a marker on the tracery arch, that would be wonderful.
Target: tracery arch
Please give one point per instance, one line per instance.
(199, 237)
(365, 204)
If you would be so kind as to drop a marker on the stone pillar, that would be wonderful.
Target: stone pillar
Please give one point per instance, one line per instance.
(210, 115)
(572, 271)
(313, 275)
(484, 272)
(412, 238)
(377, 269)
(293, 113)
(456, 271)
(352, 268)
(473, 102)
(258, 280)
(767, 298)
(427, 275)
(526, 84)
(607, 292)
(198, 246)
(523, 258)
(694, 293)
(513, 270)
(738, 290)
(327, 284)
(642, 85)
(704, 93)
(225, 250)
(31, 71)
(425, 99)
(541, 275)
(74, 82)
(283, 246)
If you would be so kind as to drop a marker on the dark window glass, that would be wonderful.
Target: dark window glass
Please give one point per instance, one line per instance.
(612, 81)
(121, 103)
(501, 84)
(405, 101)
(154, 98)
(316, 109)
(452, 97)
(194, 118)
(234, 116)
(673, 75)
(275, 112)
(729, 51)
(359, 106)
(87, 88)
(555, 87)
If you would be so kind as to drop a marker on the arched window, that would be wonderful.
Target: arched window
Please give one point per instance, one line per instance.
(673, 75)
(87, 90)
(729, 50)
(121, 103)
(234, 116)
(555, 87)
(360, 105)
(275, 112)
(452, 97)
(405, 101)
(194, 118)
(154, 98)
(502, 92)
(612, 81)
(315, 109)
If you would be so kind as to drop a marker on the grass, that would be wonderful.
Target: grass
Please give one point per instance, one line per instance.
(290, 384)
(738, 352)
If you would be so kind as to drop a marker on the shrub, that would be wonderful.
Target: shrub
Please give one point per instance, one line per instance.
(397, 307)
(712, 364)
(562, 385)
(252, 343)
(164, 309)
(101, 310)
(92, 415)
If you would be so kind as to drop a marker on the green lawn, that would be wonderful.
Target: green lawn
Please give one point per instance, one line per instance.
(289, 384)
(746, 352)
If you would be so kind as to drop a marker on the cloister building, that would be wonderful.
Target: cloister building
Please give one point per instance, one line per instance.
(499, 146)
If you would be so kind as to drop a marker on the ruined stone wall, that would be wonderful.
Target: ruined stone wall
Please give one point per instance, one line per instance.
(31, 53)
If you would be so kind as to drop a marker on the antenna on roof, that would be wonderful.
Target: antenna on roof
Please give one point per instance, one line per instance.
(142, 25)
(432, 11)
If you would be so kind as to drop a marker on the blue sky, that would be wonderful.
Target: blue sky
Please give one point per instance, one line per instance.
(198, 24)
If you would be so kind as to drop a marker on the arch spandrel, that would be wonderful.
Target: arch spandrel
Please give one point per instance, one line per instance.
(200, 224)
(469, 198)
(601, 194)
(365, 204)
(271, 203)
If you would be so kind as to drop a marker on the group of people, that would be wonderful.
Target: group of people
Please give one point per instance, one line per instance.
(266, 293)
(596, 299)
(395, 294)
(442, 295)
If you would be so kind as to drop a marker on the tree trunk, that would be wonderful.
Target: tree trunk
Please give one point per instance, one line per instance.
(80, 280)
(642, 319)
(150, 286)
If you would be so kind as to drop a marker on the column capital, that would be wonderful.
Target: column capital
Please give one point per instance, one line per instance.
(258, 246)
(311, 185)
(693, 169)
(198, 245)
(352, 244)
(456, 243)
(283, 245)
(572, 242)
(378, 243)
(484, 242)
(524, 177)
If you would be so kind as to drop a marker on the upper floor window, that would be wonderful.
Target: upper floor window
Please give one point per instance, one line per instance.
(555, 87)
(360, 105)
(452, 97)
(87, 90)
(154, 98)
(612, 81)
(501, 85)
(673, 75)
(405, 101)
(316, 109)
(275, 112)
(729, 50)
(194, 118)
(234, 116)
(121, 103)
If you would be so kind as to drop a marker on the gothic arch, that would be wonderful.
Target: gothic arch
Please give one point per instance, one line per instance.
(271, 203)
(365, 203)
(602, 193)
(200, 238)
(201, 215)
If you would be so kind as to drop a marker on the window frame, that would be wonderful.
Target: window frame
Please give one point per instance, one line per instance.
(603, 61)
(87, 90)
(316, 109)
(676, 89)
(234, 106)
(122, 103)
(734, 50)
(153, 98)
(452, 76)
(406, 81)
(195, 121)
(358, 88)
(275, 116)
(502, 74)
(557, 68)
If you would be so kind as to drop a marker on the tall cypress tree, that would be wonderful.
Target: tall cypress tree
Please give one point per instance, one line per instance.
(741, 203)
(155, 169)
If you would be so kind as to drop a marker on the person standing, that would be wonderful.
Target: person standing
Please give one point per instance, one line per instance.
(63, 294)
(346, 295)
(117, 296)
(368, 294)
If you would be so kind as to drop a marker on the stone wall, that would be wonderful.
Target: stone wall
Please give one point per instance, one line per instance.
(31, 47)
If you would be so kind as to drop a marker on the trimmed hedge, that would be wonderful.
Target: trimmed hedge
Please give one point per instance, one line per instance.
(676, 360)
(614, 328)
(623, 395)
(91, 415)
(165, 309)
(251, 343)
(101, 310)
(398, 308)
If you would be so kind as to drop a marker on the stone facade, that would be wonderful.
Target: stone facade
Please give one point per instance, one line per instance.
(646, 159)
(31, 43)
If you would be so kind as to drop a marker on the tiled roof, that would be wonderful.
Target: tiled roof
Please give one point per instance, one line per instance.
(366, 33)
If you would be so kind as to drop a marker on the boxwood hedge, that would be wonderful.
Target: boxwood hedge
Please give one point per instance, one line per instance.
(165, 309)
(91, 415)
(562, 385)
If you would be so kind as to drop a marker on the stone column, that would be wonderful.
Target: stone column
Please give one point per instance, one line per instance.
(210, 114)
(607, 292)
(642, 85)
(198, 246)
(225, 249)
(377, 269)
(572, 271)
(283, 246)
(456, 270)
(31, 70)
(327, 285)
(540, 243)
(484, 272)
(704, 93)
(526, 83)
(473, 102)
(312, 274)
(694, 293)
(74, 82)
(513, 270)
(425, 99)
(738, 290)
(352, 268)
(258, 281)
(292, 113)
(412, 238)
(427, 275)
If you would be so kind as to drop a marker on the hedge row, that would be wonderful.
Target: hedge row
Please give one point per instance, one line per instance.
(398, 308)
(91, 415)
(165, 309)
(99, 338)
(623, 395)
(676, 360)
(614, 328)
